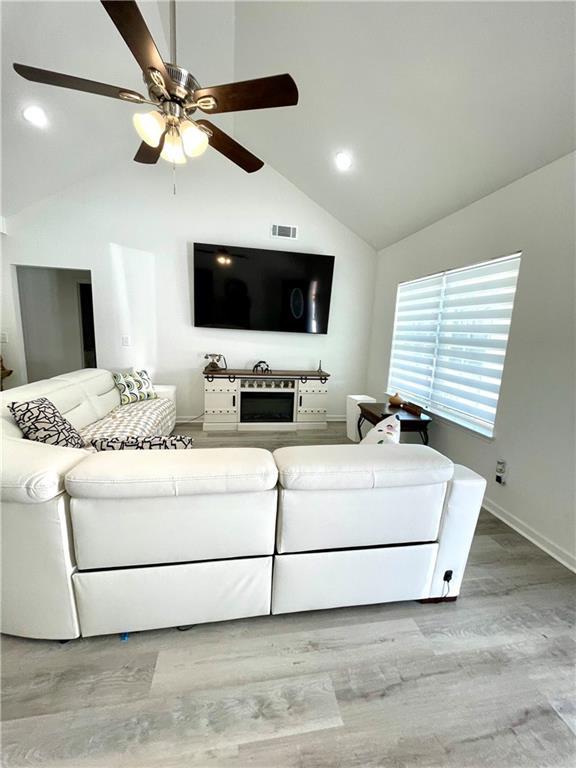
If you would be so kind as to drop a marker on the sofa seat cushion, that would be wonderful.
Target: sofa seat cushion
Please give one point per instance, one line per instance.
(333, 467)
(144, 418)
(34, 472)
(156, 474)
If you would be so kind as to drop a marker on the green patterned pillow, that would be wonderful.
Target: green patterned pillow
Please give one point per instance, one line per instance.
(134, 386)
(145, 383)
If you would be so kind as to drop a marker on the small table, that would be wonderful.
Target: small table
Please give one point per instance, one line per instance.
(409, 422)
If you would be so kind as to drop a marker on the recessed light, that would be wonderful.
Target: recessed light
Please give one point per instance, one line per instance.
(343, 161)
(36, 116)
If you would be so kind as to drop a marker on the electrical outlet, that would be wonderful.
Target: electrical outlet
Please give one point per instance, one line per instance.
(126, 341)
(501, 472)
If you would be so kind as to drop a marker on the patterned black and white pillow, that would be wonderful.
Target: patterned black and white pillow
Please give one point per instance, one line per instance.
(153, 443)
(41, 421)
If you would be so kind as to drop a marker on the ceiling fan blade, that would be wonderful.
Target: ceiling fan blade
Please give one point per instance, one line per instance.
(149, 155)
(77, 83)
(262, 93)
(231, 149)
(130, 23)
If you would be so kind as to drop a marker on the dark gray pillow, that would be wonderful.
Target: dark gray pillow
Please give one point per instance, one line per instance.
(41, 421)
(153, 443)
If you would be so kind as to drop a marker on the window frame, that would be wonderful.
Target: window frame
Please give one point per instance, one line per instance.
(480, 427)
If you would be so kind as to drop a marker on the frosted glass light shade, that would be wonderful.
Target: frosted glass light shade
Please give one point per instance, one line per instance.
(172, 151)
(149, 126)
(194, 140)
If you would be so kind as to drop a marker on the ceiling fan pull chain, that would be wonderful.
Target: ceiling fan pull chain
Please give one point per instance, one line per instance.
(174, 179)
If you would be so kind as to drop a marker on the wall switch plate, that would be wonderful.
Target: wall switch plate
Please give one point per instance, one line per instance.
(126, 341)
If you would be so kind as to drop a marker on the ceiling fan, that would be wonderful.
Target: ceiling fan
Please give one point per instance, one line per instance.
(169, 131)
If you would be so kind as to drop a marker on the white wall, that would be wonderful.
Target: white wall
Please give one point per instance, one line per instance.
(50, 307)
(535, 425)
(136, 238)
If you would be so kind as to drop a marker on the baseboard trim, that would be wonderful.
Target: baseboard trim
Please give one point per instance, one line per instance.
(543, 542)
(200, 420)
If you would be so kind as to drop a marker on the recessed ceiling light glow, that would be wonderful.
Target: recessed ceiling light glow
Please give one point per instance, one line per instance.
(343, 161)
(36, 116)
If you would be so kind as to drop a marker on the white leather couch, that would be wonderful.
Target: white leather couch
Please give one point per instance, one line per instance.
(126, 541)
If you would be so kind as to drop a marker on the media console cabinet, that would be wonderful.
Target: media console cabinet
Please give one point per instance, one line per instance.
(237, 399)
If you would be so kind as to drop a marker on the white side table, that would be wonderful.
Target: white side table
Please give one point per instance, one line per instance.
(352, 414)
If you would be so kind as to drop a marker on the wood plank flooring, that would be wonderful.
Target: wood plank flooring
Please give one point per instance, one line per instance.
(485, 682)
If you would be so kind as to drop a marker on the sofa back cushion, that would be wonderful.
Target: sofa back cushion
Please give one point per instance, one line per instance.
(82, 397)
(336, 467)
(99, 389)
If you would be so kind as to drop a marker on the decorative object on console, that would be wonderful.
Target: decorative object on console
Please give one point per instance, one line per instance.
(386, 431)
(214, 364)
(134, 386)
(412, 408)
(152, 443)
(41, 421)
(261, 367)
(395, 400)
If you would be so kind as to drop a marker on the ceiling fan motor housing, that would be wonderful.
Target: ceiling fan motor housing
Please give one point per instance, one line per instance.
(184, 84)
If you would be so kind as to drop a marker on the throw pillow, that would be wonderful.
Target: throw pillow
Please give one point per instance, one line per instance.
(41, 421)
(144, 381)
(153, 443)
(386, 431)
(134, 387)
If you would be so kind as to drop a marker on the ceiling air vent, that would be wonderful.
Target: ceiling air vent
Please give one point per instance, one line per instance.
(284, 231)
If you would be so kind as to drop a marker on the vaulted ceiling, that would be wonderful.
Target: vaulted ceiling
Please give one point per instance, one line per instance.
(440, 103)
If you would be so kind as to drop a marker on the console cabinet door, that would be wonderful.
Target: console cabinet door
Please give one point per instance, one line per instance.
(311, 407)
(221, 401)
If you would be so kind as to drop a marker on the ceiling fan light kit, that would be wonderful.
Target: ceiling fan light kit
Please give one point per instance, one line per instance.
(172, 151)
(149, 126)
(169, 131)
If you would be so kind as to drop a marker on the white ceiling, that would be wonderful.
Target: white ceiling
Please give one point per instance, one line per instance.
(440, 102)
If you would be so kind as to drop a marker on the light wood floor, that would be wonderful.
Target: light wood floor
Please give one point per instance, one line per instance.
(485, 682)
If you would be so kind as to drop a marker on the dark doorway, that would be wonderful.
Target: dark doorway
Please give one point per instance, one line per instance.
(87, 325)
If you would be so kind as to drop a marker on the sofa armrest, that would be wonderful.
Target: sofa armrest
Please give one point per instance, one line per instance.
(166, 391)
(33, 472)
(461, 509)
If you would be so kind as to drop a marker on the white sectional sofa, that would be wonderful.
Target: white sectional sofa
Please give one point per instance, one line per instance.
(125, 541)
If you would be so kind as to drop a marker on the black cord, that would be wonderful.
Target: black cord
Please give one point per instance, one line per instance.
(195, 418)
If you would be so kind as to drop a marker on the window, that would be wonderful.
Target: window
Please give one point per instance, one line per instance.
(450, 337)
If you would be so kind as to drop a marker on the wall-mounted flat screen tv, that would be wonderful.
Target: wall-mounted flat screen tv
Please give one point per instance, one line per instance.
(261, 290)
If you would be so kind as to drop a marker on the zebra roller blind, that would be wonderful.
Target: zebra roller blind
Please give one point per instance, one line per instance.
(450, 337)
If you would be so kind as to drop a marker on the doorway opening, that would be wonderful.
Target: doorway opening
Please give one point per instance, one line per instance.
(57, 315)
